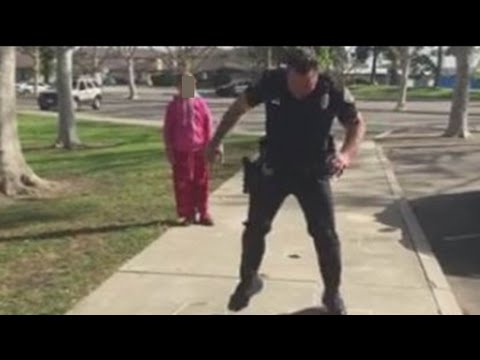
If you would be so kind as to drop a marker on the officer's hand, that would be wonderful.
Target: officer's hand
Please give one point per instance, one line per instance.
(211, 152)
(219, 152)
(339, 163)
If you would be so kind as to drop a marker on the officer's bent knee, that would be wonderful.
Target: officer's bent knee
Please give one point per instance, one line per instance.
(257, 228)
(324, 236)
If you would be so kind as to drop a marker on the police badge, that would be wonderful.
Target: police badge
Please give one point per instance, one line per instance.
(347, 96)
(324, 101)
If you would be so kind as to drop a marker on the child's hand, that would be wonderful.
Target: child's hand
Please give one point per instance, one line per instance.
(170, 157)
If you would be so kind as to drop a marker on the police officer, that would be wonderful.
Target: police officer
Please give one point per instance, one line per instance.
(301, 105)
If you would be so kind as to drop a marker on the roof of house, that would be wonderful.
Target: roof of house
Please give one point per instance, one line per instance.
(24, 61)
(112, 52)
(236, 59)
(119, 64)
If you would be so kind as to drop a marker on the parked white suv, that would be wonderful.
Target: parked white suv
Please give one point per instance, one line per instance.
(84, 91)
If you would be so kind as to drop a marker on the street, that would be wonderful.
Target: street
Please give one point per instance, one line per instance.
(443, 189)
(153, 101)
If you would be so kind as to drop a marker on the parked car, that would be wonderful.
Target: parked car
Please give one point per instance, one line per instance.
(25, 88)
(84, 91)
(233, 88)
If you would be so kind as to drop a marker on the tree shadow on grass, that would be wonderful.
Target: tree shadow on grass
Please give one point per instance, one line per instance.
(90, 230)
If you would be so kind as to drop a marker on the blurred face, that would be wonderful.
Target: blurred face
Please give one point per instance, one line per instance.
(186, 88)
(301, 85)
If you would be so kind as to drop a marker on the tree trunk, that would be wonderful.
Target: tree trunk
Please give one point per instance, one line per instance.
(133, 94)
(16, 177)
(438, 71)
(458, 121)
(46, 59)
(95, 59)
(96, 70)
(185, 64)
(269, 57)
(373, 75)
(405, 60)
(67, 129)
(394, 73)
(36, 70)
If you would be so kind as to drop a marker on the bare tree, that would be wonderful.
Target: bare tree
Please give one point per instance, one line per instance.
(90, 59)
(34, 53)
(189, 58)
(458, 121)
(128, 53)
(269, 57)
(47, 57)
(350, 66)
(373, 74)
(16, 177)
(404, 55)
(261, 57)
(67, 130)
(439, 65)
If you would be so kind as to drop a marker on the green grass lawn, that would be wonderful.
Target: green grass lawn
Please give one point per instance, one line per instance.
(119, 199)
(390, 93)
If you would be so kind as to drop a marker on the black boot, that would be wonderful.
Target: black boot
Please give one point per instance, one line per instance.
(334, 303)
(244, 291)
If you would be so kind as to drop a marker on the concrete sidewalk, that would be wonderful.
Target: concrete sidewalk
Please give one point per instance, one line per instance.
(194, 270)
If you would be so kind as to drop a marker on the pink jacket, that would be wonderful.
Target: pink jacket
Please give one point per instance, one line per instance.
(188, 124)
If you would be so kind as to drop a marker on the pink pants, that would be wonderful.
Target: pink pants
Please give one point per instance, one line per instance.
(191, 178)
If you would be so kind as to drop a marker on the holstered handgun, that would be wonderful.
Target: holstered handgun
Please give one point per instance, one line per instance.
(252, 169)
(247, 174)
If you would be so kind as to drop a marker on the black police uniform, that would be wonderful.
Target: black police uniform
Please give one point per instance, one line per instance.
(298, 143)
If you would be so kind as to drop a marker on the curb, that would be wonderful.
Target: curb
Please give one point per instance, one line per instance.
(437, 282)
(127, 121)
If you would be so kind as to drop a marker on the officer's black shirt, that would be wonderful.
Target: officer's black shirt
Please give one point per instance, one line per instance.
(298, 130)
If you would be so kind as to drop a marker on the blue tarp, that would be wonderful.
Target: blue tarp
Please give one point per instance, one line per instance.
(449, 82)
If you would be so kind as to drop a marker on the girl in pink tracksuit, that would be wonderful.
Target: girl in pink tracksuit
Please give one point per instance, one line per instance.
(188, 128)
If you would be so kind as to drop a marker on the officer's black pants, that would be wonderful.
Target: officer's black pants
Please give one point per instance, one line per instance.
(315, 198)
